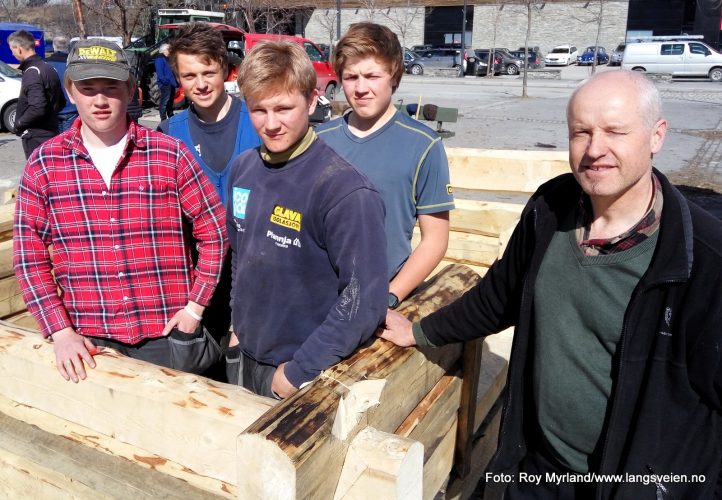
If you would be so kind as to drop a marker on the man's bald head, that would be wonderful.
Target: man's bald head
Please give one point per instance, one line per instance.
(648, 100)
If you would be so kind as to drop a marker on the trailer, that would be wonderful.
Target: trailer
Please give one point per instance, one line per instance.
(387, 422)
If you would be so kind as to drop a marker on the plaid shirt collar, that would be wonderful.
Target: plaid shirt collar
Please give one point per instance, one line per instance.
(73, 140)
(647, 226)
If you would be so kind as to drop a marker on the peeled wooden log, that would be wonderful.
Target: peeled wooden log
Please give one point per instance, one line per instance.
(291, 452)
(382, 465)
(434, 424)
(504, 170)
(182, 417)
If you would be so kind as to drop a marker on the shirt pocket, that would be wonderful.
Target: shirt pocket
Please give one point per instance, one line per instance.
(157, 202)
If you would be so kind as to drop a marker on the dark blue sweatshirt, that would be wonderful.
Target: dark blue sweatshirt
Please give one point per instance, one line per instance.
(309, 259)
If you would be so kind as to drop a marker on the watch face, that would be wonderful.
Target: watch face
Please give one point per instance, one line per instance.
(393, 301)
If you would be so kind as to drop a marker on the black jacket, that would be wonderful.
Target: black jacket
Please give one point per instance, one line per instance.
(41, 97)
(664, 416)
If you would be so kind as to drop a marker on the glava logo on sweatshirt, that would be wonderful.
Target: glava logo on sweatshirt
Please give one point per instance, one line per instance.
(286, 217)
(240, 201)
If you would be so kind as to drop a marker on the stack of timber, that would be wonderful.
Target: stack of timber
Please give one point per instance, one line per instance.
(387, 422)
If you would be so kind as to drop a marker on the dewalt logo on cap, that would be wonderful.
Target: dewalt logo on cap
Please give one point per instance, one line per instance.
(97, 52)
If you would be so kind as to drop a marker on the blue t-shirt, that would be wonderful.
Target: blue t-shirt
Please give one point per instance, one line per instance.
(308, 260)
(407, 163)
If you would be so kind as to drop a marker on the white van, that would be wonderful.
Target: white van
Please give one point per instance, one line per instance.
(676, 57)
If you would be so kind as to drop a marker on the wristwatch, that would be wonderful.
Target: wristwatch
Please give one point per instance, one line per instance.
(393, 301)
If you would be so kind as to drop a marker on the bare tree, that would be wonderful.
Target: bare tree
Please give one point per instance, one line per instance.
(327, 19)
(121, 16)
(594, 15)
(267, 16)
(79, 17)
(495, 27)
(371, 9)
(529, 7)
(404, 17)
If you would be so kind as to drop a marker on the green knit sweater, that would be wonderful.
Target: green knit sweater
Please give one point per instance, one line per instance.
(579, 305)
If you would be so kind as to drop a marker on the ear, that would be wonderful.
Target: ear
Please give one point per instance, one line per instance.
(312, 100)
(659, 132)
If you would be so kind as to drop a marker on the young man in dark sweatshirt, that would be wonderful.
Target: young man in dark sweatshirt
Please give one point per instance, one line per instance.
(307, 236)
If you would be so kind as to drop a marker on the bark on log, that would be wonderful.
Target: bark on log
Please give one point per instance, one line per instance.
(183, 417)
(292, 444)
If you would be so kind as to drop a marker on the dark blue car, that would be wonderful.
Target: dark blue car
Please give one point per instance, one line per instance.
(587, 57)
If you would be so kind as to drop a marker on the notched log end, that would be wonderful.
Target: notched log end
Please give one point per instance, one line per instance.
(264, 470)
(362, 395)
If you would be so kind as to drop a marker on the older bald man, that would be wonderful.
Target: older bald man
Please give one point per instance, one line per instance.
(614, 284)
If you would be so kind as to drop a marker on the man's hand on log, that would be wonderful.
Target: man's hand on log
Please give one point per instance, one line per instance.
(397, 329)
(280, 384)
(71, 350)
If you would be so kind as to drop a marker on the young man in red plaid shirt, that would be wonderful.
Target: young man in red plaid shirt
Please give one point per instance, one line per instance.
(118, 203)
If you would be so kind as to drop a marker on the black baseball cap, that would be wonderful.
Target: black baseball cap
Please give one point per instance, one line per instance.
(97, 58)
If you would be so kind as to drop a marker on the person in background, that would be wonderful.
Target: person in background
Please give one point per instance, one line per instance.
(613, 282)
(306, 233)
(118, 204)
(41, 96)
(403, 158)
(216, 128)
(58, 60)
(166, 82)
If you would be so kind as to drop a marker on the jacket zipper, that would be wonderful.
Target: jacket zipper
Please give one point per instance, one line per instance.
(622, 338)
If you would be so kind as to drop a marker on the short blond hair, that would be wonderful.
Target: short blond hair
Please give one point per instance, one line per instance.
(276, 65)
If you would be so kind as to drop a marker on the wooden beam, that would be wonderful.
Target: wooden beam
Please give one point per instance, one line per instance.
(11, 298)
(466, 248)
(434, 423)
(7, 213)
(23, 319)
(291, 451)
(37, 464)
(182, 417)
(494, 367)
(6, 258)
(122, 452)
(382, 465)
(483, 217)
(504, 170)
(467, 409)
(484, 448)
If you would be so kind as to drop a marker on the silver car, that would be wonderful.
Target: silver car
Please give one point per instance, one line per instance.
(616, 56)
(436, 59)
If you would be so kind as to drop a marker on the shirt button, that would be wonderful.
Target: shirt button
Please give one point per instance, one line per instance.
(117, 247)
(121, 274)
(112, 219)
(125, 297)
(140, 188)
(104, 192)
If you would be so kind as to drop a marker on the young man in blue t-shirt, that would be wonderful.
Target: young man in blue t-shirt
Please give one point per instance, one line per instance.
(403, 158)
(307, 236)
(216, 128)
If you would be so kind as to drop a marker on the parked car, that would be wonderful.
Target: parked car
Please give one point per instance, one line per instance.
(677, 57)
(562, 55)
(587, 57)
(9, 93)
(504, 61)
(408, 56)
(436, 59)
(535, 58)
(419, 48)
(615, 58)
(482, 55)
(476, 66)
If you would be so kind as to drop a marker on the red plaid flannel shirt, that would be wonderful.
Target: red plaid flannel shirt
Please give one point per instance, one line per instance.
(121, 256)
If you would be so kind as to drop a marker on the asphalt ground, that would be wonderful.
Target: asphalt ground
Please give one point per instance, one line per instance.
(493, 115)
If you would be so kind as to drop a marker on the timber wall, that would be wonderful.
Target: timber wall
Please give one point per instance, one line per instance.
(387, 422)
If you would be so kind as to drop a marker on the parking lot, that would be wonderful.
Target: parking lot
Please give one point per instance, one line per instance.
(492, 115)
